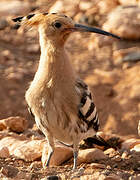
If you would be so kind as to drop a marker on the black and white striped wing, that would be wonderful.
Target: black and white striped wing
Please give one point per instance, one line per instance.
(87, 110)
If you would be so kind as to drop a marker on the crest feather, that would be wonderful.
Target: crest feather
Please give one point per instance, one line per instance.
(30, 20)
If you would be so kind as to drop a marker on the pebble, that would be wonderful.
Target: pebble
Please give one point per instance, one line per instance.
(4, 152)
(109, 151)
(9, 171)
(97, 165)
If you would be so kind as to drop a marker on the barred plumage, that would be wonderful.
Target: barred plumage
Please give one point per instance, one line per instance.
(61, 103)
(87, 110)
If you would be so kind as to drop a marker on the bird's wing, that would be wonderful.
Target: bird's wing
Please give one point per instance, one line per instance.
(86, 110)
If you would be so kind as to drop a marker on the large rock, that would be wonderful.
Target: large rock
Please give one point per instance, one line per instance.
(60, 155)
(124, 22)
(21, 147)
(90, 155)
(29, 150)
(16, 124)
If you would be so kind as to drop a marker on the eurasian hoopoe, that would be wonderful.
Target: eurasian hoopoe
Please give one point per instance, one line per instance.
(60, 101)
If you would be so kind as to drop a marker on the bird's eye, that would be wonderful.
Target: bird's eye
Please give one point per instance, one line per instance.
(57, 25)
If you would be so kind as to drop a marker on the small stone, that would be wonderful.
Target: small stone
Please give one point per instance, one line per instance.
(125, 155)
(136, 148)
(130, 143)
(9, 171)
(97, 165)
(90, 155)
(117, 158)
(2, 125)
(109, 151)
(4, 152)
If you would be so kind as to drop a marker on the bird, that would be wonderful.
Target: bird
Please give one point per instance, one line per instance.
(59, 99)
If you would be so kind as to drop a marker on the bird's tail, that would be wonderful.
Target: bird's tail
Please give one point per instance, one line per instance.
(98, 140)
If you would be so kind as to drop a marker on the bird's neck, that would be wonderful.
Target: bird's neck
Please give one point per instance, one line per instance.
(53, 62)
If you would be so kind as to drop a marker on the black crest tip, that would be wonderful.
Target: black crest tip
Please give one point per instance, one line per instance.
(30, 16)
(18, 19)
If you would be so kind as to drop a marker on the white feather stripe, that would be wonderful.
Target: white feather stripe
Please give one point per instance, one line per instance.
(92, 115)
(86, 107)
(97, 120)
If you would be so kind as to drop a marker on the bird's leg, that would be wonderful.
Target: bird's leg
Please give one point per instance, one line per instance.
(50, 147)
(75, 154)
(50, 153)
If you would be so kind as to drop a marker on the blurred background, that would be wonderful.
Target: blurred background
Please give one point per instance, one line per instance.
(110, 67)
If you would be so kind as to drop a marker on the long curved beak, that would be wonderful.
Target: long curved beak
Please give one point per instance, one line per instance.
(83, 28)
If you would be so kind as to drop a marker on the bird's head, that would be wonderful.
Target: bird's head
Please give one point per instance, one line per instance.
(57, 27)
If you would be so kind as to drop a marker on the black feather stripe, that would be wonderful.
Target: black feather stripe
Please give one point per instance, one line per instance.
(18, 19)
(30, 16)
(90, 96)
(90, 111)
(80, 115)
(96, 125)
(84, 98)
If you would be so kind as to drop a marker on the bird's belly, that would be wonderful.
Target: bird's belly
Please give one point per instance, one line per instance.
(62, 135)
(58, 128)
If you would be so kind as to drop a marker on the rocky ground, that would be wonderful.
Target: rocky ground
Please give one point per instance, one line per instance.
(110, 67)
